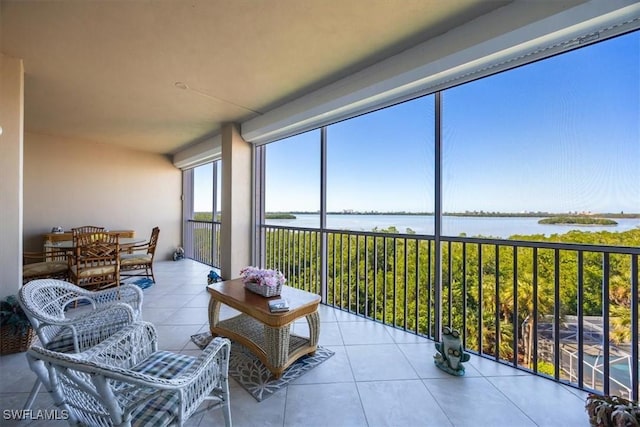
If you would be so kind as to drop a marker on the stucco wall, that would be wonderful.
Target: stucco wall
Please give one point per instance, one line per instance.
(12, 123)
(71, 183)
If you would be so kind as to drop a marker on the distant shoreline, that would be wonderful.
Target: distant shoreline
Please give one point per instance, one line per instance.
(475, 214)
(578, 220)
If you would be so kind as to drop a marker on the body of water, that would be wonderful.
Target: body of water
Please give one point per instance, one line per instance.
(451, 225)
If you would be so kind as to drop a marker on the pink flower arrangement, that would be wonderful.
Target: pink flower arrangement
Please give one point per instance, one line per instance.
(262, 277)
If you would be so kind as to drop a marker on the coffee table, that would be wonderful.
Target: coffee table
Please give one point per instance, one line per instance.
(265, 334)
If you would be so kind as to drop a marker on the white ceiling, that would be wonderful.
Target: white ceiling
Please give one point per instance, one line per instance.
(106, 71)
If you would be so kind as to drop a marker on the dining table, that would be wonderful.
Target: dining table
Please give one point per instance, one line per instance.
(53, 249)
(68, 235)
(69, 244)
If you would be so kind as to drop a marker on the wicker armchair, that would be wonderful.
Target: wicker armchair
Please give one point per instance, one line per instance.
(96, 261)
(53, 263)
(138, 259)
(126, 381)
(47, 304)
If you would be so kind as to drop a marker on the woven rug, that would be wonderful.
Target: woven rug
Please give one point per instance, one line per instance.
(143, 283)
(254, 377)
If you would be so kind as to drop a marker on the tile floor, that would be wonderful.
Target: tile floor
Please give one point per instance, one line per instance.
(379, 376)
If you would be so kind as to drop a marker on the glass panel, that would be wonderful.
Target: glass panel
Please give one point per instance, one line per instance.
(218, 190)
(549, 152)
(203, 192)
(557, 137)
(380, 170)
(292, 177)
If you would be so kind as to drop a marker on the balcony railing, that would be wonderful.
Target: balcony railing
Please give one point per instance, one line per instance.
(564, 311)
(202, 241)
(568, 312)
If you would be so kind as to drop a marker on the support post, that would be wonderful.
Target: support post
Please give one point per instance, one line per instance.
(235, 229)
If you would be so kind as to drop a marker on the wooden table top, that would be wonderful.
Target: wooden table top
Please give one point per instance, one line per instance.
(68, 244)
(235, 295)
(67, 235)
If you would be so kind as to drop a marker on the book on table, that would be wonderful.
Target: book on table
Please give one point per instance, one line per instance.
(278, 305)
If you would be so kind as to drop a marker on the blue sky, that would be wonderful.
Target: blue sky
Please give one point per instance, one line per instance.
(558, 135)
(203, 188)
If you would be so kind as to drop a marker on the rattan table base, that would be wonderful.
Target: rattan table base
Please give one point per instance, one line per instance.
(267, 335)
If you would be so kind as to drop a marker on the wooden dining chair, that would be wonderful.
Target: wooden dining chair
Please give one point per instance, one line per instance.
(137, 260)
(96, 261)
(49, 264)
(85, 229)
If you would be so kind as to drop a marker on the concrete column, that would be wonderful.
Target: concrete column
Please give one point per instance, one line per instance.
(235, 230)
(11, 176)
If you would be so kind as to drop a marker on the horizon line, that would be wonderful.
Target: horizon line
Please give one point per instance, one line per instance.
(464, 213)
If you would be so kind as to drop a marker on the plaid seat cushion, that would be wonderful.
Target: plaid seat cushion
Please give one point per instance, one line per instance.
(62, 343)
(164, 364)
(163, 409)
(160, 411)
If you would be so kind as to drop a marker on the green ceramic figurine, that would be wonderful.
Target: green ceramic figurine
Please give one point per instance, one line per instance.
(450, 353)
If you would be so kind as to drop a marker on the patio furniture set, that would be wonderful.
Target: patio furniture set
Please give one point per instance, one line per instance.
(100, 361)
(92, 257)
(101, 364)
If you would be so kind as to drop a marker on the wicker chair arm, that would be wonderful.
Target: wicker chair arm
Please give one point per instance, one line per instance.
(89, 329)
(97, 359)
(135, 248)
(124, 348)
(101, 315)
(127, 293)
(113, 367)
(217, 347)
(47, 300)
(127, 347)
(211, 369)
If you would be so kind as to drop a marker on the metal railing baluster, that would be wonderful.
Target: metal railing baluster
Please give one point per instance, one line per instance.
(406, 286)
(449, 282)
(514, 316)
(349, 273)
(634, 328)
(430, 331)
(480, 302)
(496, 319)
(357, 286)
(464, 295)
(395, 279)
(366, 276)
(416, 296)
(384, 268)
(556, 314)
(375, 278)
(579, 312)
(384, 285)
(605, 323)
(535, 314)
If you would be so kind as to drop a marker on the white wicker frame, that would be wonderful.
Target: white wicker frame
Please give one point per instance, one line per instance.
(46, 303)
(105, 385)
